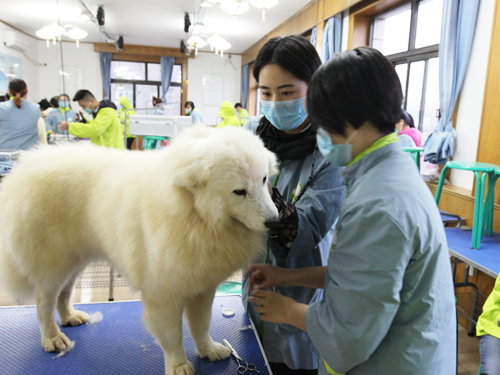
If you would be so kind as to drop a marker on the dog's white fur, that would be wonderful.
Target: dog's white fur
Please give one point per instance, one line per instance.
(169, 220)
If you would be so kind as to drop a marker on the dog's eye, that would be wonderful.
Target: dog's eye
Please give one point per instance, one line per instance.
(240, 192)
(264, 180)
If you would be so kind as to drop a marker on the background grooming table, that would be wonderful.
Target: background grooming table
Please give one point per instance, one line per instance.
(119, 344)
(487, 259)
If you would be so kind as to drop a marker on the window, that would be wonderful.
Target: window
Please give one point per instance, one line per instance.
(139, 82)
(409, 36)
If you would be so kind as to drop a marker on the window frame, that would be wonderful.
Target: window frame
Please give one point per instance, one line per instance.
(411, 55)
(135, 82)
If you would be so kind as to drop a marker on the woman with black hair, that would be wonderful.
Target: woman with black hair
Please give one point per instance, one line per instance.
(388, 305)
(19, 119)
(62, 113)
(307, 190)
(190, 110)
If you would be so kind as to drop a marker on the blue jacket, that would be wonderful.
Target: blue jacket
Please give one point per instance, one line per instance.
(318, 210)
(388, 305)
(196, 115)
(55, 117)
(18, 126)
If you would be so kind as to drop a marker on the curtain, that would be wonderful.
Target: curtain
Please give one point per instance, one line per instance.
(167, 66)
(244, 85)
(332, 37)
(313, 36)
(457, 33)
(105, 59)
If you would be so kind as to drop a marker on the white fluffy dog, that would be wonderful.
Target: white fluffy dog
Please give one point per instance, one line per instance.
(176, 222)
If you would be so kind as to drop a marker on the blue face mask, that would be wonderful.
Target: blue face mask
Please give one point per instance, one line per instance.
(337, 155)
(284, 115)
(89, 110)
(64, 104)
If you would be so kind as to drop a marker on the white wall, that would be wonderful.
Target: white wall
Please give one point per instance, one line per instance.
(471, 97)
(209, 63)
(29, 69)
(84, 59)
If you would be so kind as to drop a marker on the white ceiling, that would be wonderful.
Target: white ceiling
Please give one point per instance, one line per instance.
(148, 22)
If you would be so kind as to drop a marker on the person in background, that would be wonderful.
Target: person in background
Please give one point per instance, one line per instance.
(242, 113)
(62, 113)
(228, 116)
(104, 129)
(158, 105)
(54, 101)
(488, 328)
(388, 305)
(190, 110)
(45, 107)
(19, 120)
(307, 190)
(408, 135)
(125, 104)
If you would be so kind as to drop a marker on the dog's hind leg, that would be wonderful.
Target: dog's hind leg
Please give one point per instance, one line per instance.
(52, 337)
(199, 314)
(67, 314)
(163, 318)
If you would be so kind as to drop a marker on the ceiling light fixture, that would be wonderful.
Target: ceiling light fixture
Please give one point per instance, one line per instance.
(235, 7)
(76, 33)
(219, 44)
(263, 4)
(55, 32)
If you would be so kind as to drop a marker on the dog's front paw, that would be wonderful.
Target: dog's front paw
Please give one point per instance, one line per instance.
(182, 369)
(77, 318)
(215, 352)
(57, 343)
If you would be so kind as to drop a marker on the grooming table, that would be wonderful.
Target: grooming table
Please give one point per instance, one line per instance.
(486, 259)
(119, 344)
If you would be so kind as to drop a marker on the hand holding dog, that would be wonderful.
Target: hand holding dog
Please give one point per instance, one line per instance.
(264, 276)
(276, 308)
(272, 307)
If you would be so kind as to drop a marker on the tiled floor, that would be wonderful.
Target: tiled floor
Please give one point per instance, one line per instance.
(468, 347)
(468, 353)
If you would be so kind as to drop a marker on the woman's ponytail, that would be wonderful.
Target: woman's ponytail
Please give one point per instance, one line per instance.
(17, 100)
(18, 89)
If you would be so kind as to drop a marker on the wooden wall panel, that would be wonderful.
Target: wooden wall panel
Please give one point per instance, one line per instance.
(488, 150)
(359, 31)
(140, 50)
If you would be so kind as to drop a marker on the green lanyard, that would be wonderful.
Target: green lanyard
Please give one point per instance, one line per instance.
(277, 177)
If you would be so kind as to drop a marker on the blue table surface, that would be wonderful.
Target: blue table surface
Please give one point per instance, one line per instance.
(487, 258)
(119, 344)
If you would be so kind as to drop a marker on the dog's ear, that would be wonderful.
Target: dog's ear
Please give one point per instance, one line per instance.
(272, 162)
(187, 176)
(192, 169)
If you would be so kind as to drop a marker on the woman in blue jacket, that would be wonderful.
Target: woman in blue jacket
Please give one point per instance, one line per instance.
(18, 119)
(388, 306)
(307, 190)
(60, 114)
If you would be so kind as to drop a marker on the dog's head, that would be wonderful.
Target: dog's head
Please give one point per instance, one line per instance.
(227, 171)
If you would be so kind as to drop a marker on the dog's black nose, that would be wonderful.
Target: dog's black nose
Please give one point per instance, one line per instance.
(270, 224)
